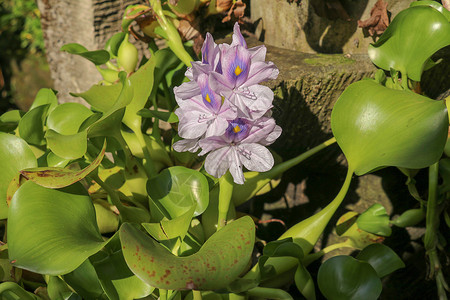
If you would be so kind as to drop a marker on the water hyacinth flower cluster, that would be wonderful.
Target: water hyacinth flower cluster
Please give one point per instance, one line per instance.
(225, 112)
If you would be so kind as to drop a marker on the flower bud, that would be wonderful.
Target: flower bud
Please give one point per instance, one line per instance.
(409, 218)
(127, 56)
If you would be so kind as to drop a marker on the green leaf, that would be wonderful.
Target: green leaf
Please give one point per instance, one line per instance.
(382, 258)
(51, 231)
(220, 260)
(377, 127)
(410, 217)
(169, 229)
(31, 126)
(346, 226)
(67, 118)
(411, 39)
(71, 146)
(117, 280)
(53, 177)
(16, 155)
(131, 12)
(304, 282)
(175, 190)
(57, 288)
(7, 271)
(113, 43)
(107, 219)
(10, 120)
(142, 82)
(166, 116)
(98, 57)
(45, 96)
(11, 290)
(84, 281)
(101, 97)
(375, 220)
(433, 4)
(54, 160)
(343, 277)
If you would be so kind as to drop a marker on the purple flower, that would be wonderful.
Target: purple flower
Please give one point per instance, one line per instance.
(205, 114)
(241, 71)
(241, 145)
(225, 112)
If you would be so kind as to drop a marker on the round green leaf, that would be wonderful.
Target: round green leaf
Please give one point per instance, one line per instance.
(175, 190)
(345, 278)
(10, 120)
(382, 258)
(16, 155)
(220, 260)
(70, 146)
(375, 220)
(68, 117)
(113, 44)
(98, 57)
(413, 36)
(51, 231)
(376, 127)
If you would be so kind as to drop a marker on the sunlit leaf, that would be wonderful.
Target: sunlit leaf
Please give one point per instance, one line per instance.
(53, 177)
(101, 97)
(343, 277)
(220, 260)
(70, 146)
(142, 82)
(51, 231)
(377, 127)
(10, 120)
(31, 126)
(45, 96)
(357, 238)
(68, 117)
(15, 156)
(382, 258)
(98, 57)
(375, 220)
(413, 36)
(175, 190)
(113, 43)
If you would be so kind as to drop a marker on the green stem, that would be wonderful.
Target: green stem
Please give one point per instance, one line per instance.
(314, 256)
(197, 295)
(111, 192)
(173, 37)
(148, 166)
(306, 233)
(225, 193)
(162, 294)
(431, 231)
(253, 185)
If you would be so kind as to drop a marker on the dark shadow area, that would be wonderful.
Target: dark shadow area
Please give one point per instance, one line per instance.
(331, 23)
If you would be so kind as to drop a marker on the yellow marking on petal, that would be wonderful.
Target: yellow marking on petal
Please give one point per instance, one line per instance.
(207, 98)
(237, 71)
(223, 99)
(236, 129)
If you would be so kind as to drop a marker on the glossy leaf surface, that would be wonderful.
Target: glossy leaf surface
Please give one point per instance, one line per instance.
(98, 57)
(101, 97)
(347, 227)
(51, 231)
(68, 117)
(382, 258)
(15, 155)
(413, 36)
(343, 277)
(45, 96)
(165, 116)
(31, 126)
(71, 146)
(220, 260)
(10, 120)
(53, 177)
(377, 127)
(375, 220)
(176, 189)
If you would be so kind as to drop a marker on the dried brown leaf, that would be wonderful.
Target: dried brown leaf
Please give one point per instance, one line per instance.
(378, 21)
